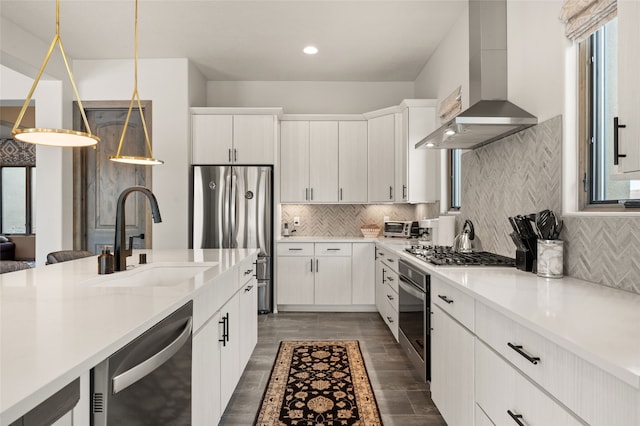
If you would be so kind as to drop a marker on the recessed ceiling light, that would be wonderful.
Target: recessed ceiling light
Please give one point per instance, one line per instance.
(310, 50)
(430, 145)
(449, 132)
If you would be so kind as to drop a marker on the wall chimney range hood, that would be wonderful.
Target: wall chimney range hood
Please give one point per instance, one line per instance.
(491, 116)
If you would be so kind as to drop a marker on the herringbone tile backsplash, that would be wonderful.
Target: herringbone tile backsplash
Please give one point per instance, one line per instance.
(345, 220)
(523, 174)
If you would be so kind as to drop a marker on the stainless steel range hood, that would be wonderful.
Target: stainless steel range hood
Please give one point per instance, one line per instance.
(491, 116)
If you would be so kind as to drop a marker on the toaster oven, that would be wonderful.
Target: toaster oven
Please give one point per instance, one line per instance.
(401, 228)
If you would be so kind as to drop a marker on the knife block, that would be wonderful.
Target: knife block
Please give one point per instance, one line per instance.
(524, 260)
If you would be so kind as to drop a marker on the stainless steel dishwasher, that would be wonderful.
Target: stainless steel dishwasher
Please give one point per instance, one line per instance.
(147, 382)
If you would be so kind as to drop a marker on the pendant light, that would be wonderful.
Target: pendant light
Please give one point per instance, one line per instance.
(54, 137)
(149, 161)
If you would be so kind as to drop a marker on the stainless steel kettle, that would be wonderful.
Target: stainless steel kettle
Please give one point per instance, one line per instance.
(466, 241)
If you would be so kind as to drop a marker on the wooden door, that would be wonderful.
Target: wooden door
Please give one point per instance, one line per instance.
(98, 181)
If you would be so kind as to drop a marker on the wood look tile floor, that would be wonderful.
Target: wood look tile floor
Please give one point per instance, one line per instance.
(402, 398)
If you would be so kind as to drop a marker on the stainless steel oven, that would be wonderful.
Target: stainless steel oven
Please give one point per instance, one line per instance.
(414, 315)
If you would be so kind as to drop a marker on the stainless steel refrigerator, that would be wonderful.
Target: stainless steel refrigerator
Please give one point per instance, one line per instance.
(232, 207)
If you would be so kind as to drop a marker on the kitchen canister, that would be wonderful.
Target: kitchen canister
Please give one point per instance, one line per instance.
(550, 258)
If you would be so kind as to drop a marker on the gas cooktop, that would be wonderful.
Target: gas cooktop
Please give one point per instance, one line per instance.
(444, 255)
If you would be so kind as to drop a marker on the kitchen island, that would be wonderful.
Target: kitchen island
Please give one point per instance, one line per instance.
(58, 321)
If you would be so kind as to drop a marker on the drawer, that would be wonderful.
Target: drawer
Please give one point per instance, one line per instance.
(390, 277)
(295, 249)
(391, 296)
(459, 305)
(246, 270)
(593, 394)
(390, 258)
(390, 317)
(506, 395)
(333, 249)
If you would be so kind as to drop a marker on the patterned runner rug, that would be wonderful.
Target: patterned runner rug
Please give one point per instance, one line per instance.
(319, 383)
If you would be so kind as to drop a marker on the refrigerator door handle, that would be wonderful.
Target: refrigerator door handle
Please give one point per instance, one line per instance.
(232, 209)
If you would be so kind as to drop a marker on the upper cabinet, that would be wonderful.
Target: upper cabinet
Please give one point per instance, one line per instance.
(629, 85)
(233, 135)
(397, 171)
(381, 163)
(322, 160)
(417, 170)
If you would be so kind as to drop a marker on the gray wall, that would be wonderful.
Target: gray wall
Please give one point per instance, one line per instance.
(523, 174)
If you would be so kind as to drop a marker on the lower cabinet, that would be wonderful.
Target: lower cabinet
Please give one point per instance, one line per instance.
(222, 345)
(452, 368)
(323, 275)
(507, 397)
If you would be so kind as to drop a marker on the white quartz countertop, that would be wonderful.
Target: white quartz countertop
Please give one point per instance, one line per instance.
(56, 323)
(597, 323)
(303, 239)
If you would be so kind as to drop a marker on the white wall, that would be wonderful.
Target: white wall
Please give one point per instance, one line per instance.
(448, 67)
(165, 83)
(53, 196)
(536, 57)
(308, 97)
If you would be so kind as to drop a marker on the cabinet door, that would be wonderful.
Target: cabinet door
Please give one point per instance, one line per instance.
(363, 288)
(230, 350)
(402, 157)
(380, 288)
(205, 374)
(253, 139)
(352, 173)
(452, 369)
(381, 158)
(323, 161)
(333, 281)
(422, 166)
(629, 83)
(248, 321)
(295, 280)
(211, 139)
(294, 161)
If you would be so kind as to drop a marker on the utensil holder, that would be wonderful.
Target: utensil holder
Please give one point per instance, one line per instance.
(550, 258)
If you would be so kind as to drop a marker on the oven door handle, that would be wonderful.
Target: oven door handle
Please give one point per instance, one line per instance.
(411, 289)
(129, 377)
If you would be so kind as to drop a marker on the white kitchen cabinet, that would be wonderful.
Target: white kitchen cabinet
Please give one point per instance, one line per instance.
(211, 139)
(506, 395)
(294, 161)
(230, 348)
(381, 158)
(387, 298)
(205, 377)
(629, 85)
(352, 155)
(452, 368)
(363, 274)
(248, 320)
(312, 276)
(323, 161)
(309, 162)
(233, 135)
(417, 171)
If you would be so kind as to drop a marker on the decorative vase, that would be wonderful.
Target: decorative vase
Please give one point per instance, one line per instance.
(550, 258)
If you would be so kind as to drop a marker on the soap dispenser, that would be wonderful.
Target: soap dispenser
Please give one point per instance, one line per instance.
(106, 261)
(285, 231)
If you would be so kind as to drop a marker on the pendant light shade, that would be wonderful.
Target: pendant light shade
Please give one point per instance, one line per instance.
(54, 137)
(135, 98)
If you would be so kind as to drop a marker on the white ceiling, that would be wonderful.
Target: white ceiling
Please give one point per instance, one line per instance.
(359, 40)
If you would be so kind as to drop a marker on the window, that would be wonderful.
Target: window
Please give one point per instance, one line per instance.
(455, 157)
(598, 96)
(17, 189)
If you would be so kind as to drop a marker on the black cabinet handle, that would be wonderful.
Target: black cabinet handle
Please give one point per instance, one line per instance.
(390, 297)
(229, 154)
(516, 417)
(225, 330)
(383, 278)
(381, 253)
(235, 155)
(227, 326)
(445, 298)
(391, 260)
(333, 249)
(311, 265)
(390, 278)
(404, 192)
(248, 288)
(295, 249)
(248, 271)
(340, 194)
(616, 152)
(518, 348)
(390, 319)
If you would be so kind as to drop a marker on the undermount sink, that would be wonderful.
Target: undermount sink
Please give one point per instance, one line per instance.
(152, 275)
